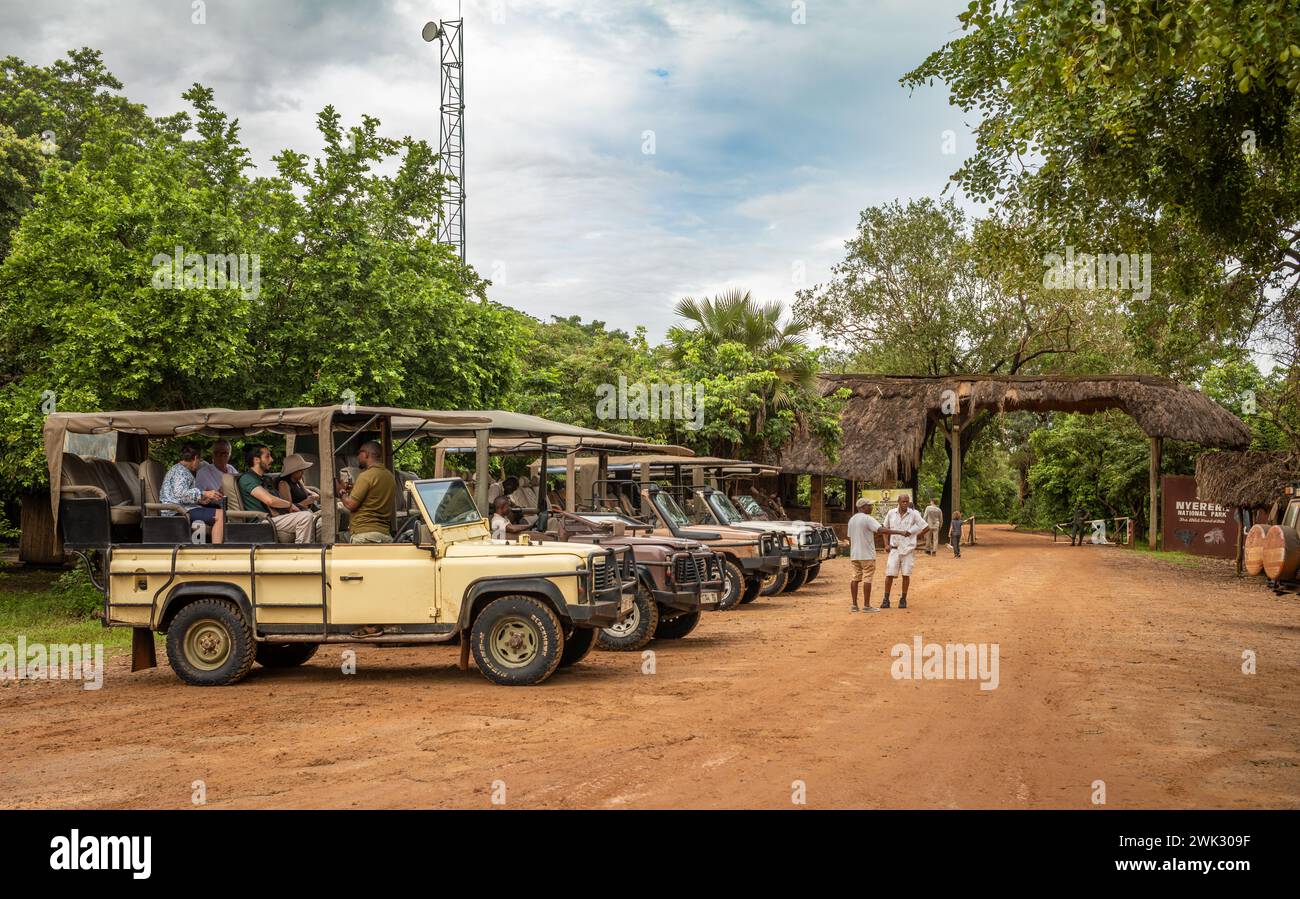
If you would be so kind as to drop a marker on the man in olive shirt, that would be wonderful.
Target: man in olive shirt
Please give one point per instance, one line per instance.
(370, 499)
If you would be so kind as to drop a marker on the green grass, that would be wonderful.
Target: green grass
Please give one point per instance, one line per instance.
(1177, 558)
(54, 607)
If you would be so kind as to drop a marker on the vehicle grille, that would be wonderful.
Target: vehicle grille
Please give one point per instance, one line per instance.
(604, 572)
(768, 545)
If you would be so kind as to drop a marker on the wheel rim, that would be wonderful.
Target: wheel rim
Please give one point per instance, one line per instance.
(628, 627)
(732, 591)
(514, 642)
(207, 644)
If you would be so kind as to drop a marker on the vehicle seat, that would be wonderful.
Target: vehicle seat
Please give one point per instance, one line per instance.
(160, 528)
(244, 526)
(83, 474)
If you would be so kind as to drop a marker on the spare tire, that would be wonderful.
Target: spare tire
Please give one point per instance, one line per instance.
(1254, 550)
(1281, 553)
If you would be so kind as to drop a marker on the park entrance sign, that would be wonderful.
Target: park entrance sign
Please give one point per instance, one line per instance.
(1195, 526)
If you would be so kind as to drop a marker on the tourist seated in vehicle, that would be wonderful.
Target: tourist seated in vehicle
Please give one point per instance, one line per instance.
(209, 474)
(370, 497)
(180, 487)
(257, 490)
(291, 486)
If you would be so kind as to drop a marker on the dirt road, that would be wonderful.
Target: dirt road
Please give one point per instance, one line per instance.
(1112, 667)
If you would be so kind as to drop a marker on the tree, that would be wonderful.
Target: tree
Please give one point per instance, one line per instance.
(757, 374)
(921, 291)
(341, 290)
(1149, 125)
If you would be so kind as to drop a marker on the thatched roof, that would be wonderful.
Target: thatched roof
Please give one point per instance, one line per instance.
(885, 419)
(1245, 480)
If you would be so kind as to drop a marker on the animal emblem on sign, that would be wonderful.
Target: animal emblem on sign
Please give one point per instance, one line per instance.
(1215, 536)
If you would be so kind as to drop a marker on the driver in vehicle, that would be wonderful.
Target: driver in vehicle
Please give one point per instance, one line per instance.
(501, 526)
(370, 499)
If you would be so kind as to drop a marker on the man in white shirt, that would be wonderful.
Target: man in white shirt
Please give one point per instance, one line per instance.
(933, 516)
(209, 474)
(862, 553)
(902, 524)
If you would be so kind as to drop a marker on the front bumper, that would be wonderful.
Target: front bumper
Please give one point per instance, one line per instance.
(692, 582)
(610, 602)
(806, 556)
(765, 564)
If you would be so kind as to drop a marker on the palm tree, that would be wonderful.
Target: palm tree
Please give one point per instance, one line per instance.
(734, 316)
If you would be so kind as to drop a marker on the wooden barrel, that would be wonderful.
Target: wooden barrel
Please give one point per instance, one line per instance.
(1281, 553)
(1254, 550)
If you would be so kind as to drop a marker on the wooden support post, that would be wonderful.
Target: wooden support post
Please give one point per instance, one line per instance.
(954, 438)
(817, 498)
(570, 480)
(1153, 487)
(439, 463)
(482, 450)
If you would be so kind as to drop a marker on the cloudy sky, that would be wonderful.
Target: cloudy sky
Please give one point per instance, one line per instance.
(769, 134)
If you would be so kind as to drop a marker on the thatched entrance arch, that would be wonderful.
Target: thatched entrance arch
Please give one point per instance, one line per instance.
(888, 419)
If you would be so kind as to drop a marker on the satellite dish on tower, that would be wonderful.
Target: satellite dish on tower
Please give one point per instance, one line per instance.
(430, 32)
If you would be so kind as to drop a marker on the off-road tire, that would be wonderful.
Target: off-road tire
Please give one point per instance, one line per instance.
(285, 655)
(733, 585)
(678, 627)
(532, 621)
(775, 584)
(752, 587)
(209, 644)
(812, 574)
(795, 579)
(641, 625)
(577, 645)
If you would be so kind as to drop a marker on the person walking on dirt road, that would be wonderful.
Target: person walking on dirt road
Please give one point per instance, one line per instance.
(862, 554)
(902, 524)
(955, 533)
(933, 516)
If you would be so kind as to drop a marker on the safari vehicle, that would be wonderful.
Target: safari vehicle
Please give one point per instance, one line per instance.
(522, 608)
(747, 558)
(1273, 550)
(677, 579)
(808, 544)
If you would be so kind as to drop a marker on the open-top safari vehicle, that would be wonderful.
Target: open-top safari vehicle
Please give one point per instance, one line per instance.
(808, 544)
(522, 608)
(677, 579)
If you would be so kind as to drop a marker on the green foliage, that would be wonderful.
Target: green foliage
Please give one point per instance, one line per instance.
(1098, 462)
(345, 293)
(73, 594)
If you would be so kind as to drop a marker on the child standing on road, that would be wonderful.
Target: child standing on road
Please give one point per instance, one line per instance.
(955, 533)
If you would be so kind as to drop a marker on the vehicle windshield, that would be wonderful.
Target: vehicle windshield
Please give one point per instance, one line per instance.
(448, 502)
(751, 507)
(669, 509)
(723, 508)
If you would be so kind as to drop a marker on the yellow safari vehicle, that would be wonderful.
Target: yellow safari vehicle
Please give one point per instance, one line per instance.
(523, 608)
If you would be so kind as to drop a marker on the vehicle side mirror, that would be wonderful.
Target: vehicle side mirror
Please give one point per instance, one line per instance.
(424, 535)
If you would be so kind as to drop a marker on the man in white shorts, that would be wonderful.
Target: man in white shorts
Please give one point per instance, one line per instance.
(903, 524)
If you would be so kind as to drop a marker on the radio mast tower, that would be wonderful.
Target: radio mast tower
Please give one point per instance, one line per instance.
(451, 127)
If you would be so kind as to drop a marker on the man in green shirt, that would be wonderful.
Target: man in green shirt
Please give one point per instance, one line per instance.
(370, 499)
(292, 525)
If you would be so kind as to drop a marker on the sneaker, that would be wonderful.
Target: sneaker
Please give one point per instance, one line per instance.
(902, 603)
(885, 604)
(870, 609)
(854, 609)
